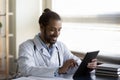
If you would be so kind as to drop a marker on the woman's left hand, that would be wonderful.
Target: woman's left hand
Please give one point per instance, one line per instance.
(92, 64)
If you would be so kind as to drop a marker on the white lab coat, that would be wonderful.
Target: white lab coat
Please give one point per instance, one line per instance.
(38, 62)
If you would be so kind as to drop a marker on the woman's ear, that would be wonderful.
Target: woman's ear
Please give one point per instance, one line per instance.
(42, 28)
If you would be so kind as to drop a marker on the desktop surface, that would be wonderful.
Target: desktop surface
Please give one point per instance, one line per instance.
(106, 78)
(81, 78)
(87, 77)
(94, 77)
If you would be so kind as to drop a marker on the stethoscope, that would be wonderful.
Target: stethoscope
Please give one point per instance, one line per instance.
(58, 56)
(57, 53)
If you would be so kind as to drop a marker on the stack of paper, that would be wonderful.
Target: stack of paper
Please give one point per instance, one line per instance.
(42, 78)
(108, 70)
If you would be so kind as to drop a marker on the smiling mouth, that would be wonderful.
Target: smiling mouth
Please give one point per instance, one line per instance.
(54, 38)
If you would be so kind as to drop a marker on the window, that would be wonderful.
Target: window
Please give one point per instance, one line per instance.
(85, 7)
(90, 25)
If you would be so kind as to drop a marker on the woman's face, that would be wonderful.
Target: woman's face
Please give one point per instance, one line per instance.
(52, 31)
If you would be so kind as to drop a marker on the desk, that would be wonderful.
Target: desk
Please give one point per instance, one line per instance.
(92, 77)
(40, 78)
(106, 78)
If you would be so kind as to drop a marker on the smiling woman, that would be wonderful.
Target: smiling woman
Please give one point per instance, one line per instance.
(50, 26)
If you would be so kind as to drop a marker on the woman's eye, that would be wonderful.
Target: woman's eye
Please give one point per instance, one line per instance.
(59, 30)
(52, 29)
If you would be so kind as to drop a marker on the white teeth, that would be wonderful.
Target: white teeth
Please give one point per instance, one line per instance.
(54, 38)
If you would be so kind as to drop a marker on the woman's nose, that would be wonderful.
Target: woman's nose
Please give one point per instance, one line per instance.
(56, 33)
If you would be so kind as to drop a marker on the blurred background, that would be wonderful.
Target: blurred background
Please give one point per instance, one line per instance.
(88, 25)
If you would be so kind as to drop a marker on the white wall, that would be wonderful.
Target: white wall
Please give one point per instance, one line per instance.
(27, 15)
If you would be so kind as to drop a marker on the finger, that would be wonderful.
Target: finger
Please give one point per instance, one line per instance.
(92, 65)
(72, 60)
(75, 63)
(71, 63)
(94, 60)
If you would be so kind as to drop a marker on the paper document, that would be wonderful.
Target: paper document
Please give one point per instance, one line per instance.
(39, 78)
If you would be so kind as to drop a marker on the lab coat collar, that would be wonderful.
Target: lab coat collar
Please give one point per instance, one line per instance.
(37, 43)
(40, 47)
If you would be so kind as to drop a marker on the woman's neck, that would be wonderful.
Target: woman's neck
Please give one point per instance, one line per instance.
(42, 38)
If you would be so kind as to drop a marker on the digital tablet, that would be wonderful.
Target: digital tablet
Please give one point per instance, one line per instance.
(82, 69)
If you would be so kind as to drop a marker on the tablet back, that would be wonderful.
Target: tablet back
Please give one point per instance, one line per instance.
(82, 69)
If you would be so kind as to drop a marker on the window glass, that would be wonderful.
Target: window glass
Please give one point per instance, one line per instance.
(89, 37)
(95, 25)
(85, 7)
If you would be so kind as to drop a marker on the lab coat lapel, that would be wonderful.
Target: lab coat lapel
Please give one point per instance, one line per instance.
(45, 53)
(54, 58)
(40, 48)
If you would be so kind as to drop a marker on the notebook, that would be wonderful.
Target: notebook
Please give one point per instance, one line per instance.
(109, 67)
(82, 69)
(107, 72)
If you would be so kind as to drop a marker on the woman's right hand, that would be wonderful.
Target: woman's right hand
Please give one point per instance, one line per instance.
(67, 65)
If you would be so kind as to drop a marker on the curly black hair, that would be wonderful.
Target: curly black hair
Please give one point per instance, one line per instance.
(46, 16)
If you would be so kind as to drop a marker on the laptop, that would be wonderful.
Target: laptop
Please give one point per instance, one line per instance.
(82, 69)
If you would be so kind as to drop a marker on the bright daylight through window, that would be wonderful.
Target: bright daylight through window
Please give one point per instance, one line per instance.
(90, 25)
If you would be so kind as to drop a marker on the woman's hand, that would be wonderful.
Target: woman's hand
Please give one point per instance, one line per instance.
(67, 65)
(92, 64)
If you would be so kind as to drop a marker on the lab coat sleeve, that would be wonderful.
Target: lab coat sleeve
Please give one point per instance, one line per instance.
(27, 65)
(68, 55)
